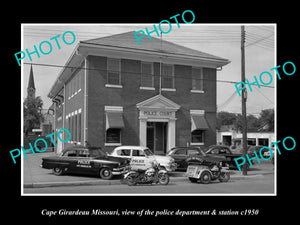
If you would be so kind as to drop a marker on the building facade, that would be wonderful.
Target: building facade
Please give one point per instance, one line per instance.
(114, 92)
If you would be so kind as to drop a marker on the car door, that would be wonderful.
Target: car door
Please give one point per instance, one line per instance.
(83, 161)
(70, 156)
(140, 161)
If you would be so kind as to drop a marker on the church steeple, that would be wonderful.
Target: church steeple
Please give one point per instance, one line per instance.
(31, 87)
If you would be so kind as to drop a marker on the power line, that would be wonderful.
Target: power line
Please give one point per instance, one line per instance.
(139, 73)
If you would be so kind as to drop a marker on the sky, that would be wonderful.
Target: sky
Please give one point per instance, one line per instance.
(223, 40)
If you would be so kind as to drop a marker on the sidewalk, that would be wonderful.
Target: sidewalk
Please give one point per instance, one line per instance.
(35, 176)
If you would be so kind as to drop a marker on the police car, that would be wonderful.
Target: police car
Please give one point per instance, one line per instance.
(85, 160)
(142, 157)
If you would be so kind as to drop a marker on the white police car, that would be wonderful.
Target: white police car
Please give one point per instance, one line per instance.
(143, 157)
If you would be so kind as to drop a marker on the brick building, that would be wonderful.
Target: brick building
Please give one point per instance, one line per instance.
(113, 92)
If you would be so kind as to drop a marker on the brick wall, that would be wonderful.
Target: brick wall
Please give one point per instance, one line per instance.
(128, 96)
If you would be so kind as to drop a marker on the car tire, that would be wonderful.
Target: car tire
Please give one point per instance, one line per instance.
(57, 171)
(205, 177)
(163, 178)
(105, 173)
(131, 179)
(224, 177)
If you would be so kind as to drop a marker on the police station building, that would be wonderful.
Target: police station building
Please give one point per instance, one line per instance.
(114, 92)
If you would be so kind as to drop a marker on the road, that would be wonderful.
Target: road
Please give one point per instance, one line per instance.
(255, 185)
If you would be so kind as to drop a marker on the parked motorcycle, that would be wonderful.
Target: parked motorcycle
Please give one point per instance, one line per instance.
(155, 174)
(205, 172)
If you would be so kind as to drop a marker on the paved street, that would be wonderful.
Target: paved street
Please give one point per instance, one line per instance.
(260, 180)
(255, 185)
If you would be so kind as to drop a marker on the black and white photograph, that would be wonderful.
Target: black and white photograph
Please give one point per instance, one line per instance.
(149, 109)
(150, 113)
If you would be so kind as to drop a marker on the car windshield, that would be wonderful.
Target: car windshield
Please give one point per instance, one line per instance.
(202, 152)
(148, 152)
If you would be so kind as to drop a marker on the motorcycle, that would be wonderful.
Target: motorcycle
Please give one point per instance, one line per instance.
(206, 172)
(155, 174)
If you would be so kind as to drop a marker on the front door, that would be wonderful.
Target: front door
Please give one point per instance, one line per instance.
(157, 137)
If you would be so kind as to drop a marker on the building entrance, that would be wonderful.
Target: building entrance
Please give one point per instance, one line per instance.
(157, 137)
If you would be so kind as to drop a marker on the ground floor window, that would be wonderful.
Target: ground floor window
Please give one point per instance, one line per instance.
(197, 136)
(113, 136)
(74, 126)
(263, 141)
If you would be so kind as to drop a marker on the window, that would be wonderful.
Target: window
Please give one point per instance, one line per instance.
(180, 152)
(75, 128)
(72, 128)
(79, 127)
(168, 80)
(113, 71)
(215, 151)
(193, 152)
(198, 136)
(224, 151)
(113, 135)
(251, 141)
(123, 152)
(70, 153)
(138, 153)
(147, 78)
(197, 78)
(83, 153)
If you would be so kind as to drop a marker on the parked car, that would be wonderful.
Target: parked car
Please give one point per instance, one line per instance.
(222, 150)
(181, 154)
(264, 152)
(144, 154)
(85, 160)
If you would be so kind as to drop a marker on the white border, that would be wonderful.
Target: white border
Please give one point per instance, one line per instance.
(182, 194)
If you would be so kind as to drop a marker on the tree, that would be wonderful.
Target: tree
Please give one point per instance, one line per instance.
(252, 123)
(225, 118)
(32, 113)
(266, 119)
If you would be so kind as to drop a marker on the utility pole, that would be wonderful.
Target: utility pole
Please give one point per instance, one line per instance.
(244, 98)
(160, 61)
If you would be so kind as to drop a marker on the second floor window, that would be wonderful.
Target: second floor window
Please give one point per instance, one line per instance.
(167, 73)
(147, 78)
(197, 78)
(113, 71)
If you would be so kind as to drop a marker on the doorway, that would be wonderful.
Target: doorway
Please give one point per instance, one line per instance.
(227, 140)
(157, 137)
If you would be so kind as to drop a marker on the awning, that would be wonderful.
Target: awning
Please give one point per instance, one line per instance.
(114, 120)
(198, 122)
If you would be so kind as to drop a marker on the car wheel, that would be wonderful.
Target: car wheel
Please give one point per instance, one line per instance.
(163, 178)
(131, 179)
(205, 177)
(105, 173)
(57, 171)
(224, 177)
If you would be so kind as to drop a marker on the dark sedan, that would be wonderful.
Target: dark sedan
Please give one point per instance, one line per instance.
(80, 159)
(181, 154)
(221, 150)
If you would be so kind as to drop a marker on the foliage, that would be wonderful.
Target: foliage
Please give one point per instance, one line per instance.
(265, 121)
(32, 113)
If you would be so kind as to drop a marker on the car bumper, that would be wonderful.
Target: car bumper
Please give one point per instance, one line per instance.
(171, 167)
(119, 171)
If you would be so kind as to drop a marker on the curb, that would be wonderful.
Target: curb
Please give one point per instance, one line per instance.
(119, 182)
(71, 183)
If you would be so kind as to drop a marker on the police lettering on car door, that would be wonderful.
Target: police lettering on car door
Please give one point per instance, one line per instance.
(86, 163)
